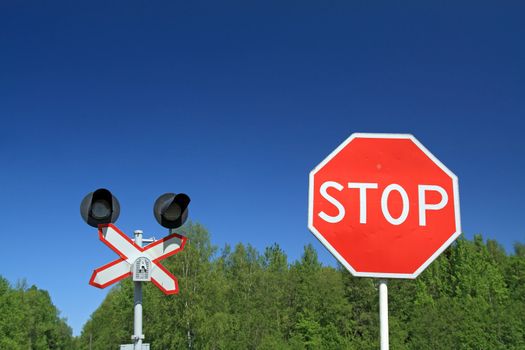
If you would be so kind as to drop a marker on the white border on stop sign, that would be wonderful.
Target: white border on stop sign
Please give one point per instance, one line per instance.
(332, 249)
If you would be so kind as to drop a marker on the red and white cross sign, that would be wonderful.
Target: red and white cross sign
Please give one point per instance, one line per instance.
(129, 252)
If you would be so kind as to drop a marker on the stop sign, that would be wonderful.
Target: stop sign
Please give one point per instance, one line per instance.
(383, 205)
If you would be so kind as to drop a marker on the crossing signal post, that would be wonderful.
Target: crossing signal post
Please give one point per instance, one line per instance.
(101, 209)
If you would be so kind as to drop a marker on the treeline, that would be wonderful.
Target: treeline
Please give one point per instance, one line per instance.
(29, 320)
(471, 297)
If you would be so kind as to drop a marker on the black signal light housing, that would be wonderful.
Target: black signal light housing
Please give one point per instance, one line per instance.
(171, 210)
(100, 207)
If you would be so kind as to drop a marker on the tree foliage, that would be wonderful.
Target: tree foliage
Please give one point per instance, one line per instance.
(29, 320)
(471, 297)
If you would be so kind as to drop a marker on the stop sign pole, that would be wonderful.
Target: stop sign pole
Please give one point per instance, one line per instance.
(383, 314)
(385, 207)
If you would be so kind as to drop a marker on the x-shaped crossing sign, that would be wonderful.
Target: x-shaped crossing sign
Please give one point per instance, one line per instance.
(129, 252)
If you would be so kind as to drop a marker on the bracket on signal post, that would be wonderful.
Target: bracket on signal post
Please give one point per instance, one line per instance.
(131, 346)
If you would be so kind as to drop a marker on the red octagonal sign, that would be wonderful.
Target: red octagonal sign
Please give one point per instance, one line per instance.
(384, 205)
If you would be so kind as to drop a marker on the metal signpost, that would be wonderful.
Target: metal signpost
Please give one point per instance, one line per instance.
(385, 207)
(101, 209)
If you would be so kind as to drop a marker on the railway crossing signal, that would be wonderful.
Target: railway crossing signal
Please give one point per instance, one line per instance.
(101, 209)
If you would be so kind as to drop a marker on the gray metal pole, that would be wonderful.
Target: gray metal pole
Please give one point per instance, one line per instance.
(383, 314)
(137, 321)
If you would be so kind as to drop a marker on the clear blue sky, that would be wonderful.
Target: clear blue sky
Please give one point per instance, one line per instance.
(234, 103)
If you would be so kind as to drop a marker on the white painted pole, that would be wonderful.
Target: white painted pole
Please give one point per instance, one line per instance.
(383, 313)
(137, 321)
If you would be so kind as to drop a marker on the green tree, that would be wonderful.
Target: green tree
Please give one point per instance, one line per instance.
(471, 297)
(29, 320)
